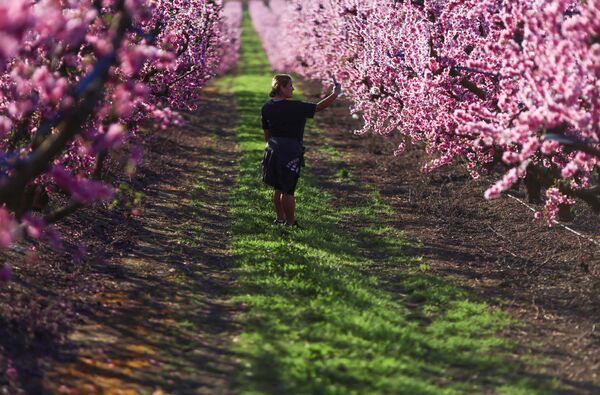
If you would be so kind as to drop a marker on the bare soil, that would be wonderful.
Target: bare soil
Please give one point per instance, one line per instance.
(145, 310)
(547, 278)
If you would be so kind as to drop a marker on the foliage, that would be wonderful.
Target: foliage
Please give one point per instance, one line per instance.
(481, 82)
(79, 78)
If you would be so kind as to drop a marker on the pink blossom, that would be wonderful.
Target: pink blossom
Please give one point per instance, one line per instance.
(510, 157)
(123, 99)
(34, 225)
(550, 147)
(400, 149)
(81, 190)
(113, 138)
(518, 69)
(15, 19)
(493, 192)
(554, 199)
(570, 169)
(231, 37)
(5, 125)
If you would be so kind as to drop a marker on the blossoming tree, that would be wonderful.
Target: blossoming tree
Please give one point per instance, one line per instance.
(77, 78)
(505, 86)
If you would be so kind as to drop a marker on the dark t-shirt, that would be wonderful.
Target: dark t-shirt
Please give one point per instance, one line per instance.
(287, 118)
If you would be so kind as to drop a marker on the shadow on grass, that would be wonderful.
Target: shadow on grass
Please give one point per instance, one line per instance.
(318, 324)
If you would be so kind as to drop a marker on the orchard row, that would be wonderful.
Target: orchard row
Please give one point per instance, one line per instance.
(507, 86)
(78, 79)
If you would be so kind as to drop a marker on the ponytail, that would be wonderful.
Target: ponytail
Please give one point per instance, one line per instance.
(278, 81)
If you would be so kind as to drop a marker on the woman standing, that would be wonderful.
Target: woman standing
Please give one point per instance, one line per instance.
(283, 122)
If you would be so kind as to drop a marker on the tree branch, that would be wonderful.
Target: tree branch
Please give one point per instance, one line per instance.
(90, 89)
(73, 206)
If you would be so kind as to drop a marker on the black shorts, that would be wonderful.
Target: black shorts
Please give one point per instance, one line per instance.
(281, 164)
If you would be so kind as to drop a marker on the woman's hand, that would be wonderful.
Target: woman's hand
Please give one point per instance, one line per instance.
(323, 104)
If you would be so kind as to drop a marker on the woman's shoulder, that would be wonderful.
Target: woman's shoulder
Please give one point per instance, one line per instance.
(285, 103)
(268, 103)
(297, 103)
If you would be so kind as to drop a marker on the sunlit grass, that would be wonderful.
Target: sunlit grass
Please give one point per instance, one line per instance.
(316, 321)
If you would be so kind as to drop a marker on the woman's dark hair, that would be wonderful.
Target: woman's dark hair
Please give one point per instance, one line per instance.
(278, 81)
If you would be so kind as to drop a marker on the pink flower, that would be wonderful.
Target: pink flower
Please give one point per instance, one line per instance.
(82, 190)
(132, 59)
(510, 157)
(433, 65)
(554, 199)
(5, 125)
(493, 192)
(34, 225)
(550, 147)
(400, 149)
(15, 18)
(113, 138)
(570, 169)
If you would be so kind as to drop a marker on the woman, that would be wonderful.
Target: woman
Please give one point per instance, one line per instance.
(283, 122)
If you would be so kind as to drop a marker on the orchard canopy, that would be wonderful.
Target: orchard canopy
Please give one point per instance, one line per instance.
(79, 79)
(504, 86)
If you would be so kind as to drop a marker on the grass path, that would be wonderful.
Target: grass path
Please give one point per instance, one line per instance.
(316, 322)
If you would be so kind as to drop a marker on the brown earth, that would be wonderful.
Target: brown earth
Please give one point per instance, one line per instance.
(547, 278)
(146, 310)
(125, 319)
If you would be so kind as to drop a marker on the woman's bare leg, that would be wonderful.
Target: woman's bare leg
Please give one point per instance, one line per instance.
(289, 207)
(277, 200)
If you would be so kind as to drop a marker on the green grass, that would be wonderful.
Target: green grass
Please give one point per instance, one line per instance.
(315, 321)
(331, 152)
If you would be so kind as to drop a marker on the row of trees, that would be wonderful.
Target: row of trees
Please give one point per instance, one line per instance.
(508, 86)
(79, 78)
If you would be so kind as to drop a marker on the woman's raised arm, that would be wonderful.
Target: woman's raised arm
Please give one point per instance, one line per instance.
(323, 104)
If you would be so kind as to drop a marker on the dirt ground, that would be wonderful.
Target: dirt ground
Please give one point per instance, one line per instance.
(547, 278)
(124, 318)
(120, 315)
